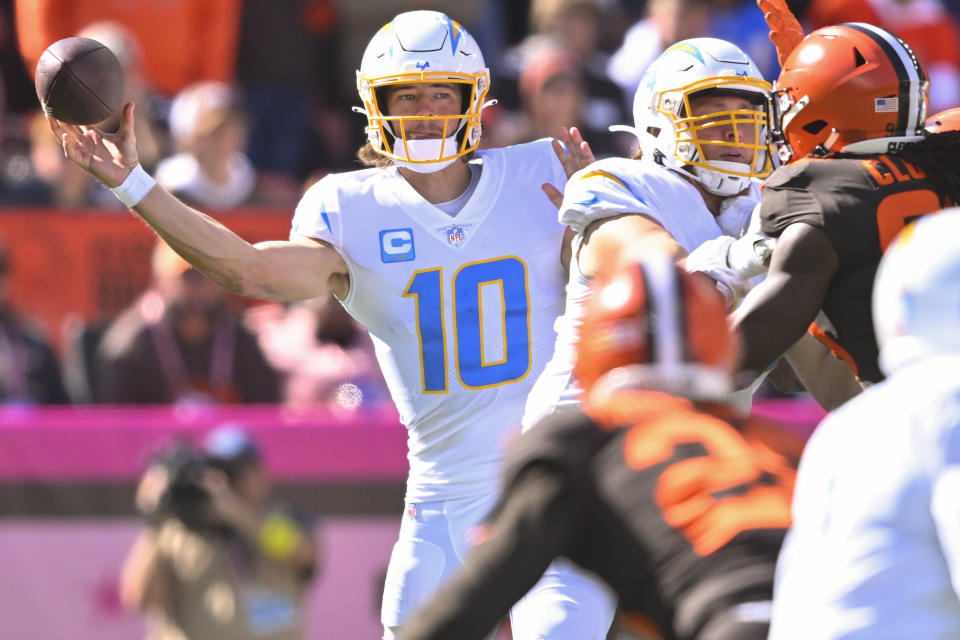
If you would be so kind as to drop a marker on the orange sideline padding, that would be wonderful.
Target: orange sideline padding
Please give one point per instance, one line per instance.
(94, 263)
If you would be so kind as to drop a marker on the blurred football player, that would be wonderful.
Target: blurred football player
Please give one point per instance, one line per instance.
(849, 114)
(652, 485)
(449, 256)
(873, 552)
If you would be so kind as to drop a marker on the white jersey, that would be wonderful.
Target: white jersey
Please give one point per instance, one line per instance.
(616, 186)
(460, 309)
(874, 552)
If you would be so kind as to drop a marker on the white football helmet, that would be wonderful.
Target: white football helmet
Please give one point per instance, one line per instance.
(422, 46)
(671, 137)
(916, 294)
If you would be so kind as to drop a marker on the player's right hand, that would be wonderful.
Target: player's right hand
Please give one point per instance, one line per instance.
(109, 157)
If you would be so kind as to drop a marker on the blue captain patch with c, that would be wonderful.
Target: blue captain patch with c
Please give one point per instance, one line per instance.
(396, 245)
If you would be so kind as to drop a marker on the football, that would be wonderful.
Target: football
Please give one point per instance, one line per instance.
(79, 81)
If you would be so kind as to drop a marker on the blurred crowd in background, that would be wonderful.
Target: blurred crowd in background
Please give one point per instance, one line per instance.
(244, 103)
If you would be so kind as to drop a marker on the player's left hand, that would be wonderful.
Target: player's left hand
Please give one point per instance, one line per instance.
(574, 153)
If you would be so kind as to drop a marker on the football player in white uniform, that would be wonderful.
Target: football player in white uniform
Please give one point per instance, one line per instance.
(700, 115)
(449, 256)
(874, 551)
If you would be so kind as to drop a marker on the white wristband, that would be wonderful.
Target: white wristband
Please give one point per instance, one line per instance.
(135, 187)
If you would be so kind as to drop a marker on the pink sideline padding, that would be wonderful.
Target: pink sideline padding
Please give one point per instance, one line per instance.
(113, 443)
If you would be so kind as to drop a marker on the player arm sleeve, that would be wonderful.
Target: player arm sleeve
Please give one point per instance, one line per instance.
(530, 527)
(786, 201)
(318, 214)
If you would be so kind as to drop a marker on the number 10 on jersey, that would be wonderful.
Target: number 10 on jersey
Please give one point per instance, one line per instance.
(474, 372)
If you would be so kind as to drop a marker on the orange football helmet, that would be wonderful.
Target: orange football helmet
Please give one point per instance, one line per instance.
(851, 87)
(651, 325)
(948, 120)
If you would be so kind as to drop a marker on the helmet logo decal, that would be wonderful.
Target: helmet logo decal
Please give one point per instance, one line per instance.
(687, 48)
(423, 65)
(455, 33)
(649, 79)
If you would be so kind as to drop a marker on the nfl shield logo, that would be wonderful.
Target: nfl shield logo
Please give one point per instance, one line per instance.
(455, 235)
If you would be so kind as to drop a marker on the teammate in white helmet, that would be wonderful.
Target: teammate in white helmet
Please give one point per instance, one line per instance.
(874, 551)
(700, 115)
(448, 255)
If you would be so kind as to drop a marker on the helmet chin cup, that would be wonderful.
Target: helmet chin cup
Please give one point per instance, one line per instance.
(723, 182)
(424, 154)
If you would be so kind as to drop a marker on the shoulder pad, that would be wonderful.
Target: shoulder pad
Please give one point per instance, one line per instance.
(605, 189)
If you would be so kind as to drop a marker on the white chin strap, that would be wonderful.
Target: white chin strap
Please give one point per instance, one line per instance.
(425, 149)
(723, 184)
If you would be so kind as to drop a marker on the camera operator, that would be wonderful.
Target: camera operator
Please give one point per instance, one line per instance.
(216, 560)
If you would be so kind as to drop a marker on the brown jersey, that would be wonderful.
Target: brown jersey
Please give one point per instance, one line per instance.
(666, 501)
(860, 203)
(684, 516)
